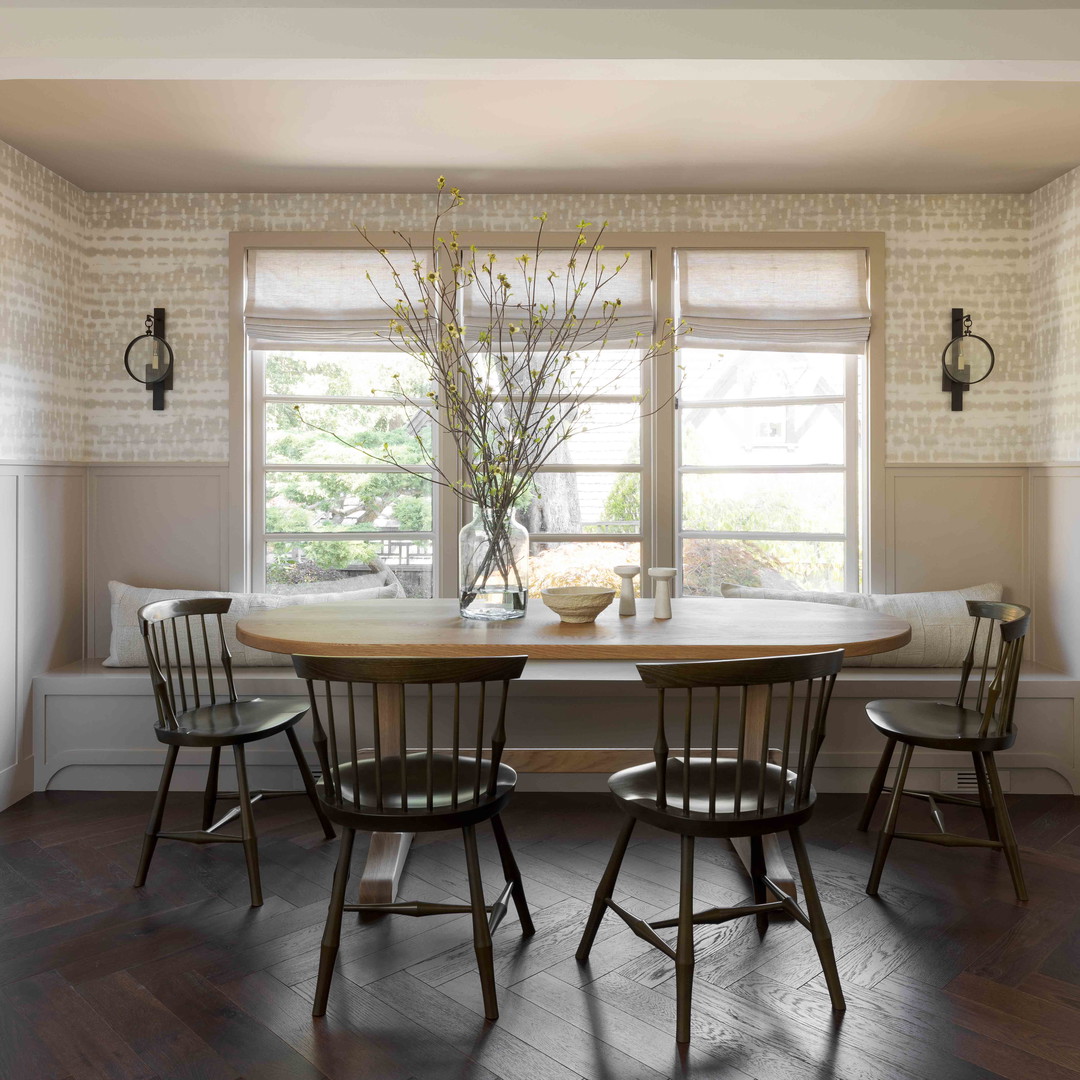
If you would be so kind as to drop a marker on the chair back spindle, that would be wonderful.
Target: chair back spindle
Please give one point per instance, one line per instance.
(995, 697)
(771, 765)
(399, 752)
(179, 655)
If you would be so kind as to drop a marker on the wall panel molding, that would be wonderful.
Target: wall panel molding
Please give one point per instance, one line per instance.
(154, 525)
(949, 526)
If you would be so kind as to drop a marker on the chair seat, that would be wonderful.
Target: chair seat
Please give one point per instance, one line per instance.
(444, 782)
(936, 725)
(635, 788)
(230, 722)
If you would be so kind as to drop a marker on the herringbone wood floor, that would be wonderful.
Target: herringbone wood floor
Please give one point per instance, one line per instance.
(946, 977)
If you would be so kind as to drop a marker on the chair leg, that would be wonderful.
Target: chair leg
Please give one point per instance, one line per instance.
(481, 934)
(209, 805)
(819, 928)
(331, 938)
(684, 947)
(757, 876)
(1005, 829)
(887, 830)
(877, 785)
(604, 891)
(512, 874)
(153, 826)
(309, 784)
(247, 826)
(986, 797)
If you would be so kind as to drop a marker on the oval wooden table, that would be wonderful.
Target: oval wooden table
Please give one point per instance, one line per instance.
(700, 629)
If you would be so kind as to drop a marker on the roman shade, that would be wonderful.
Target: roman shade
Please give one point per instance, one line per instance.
(631, 286)
(321, 298)
(789, 300)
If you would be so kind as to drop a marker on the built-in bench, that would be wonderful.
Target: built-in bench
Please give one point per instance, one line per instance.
(572, 723)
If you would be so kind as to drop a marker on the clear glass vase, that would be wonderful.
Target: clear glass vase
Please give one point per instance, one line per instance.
(494, 562)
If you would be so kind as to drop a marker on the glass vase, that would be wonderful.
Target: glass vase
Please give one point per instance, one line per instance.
(494, 562)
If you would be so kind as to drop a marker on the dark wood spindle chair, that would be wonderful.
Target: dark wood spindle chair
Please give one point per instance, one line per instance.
(979, 731)
(192, 711)
(761, 786)
(404, 784)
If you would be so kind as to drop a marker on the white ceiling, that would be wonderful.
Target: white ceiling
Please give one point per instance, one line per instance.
(557, 136)
(360, 95)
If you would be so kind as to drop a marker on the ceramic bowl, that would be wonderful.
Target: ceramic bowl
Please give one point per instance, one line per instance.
(577, 603)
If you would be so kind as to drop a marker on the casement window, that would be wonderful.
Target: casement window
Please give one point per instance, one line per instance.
(770, 428)
(746, 457)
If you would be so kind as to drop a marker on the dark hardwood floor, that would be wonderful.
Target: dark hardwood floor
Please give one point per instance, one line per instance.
(946, 977)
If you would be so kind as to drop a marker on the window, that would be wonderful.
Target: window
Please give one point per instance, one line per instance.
(322, 510)
(770, 418)
(745, 460)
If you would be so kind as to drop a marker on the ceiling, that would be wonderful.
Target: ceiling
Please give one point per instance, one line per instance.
(512, 96)
(554, 136)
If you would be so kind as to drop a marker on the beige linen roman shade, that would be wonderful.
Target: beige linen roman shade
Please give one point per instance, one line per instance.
(790, 300)
(320, 298)
(546, 279)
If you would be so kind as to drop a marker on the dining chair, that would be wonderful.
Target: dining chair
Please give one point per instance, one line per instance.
(761, 786)
(405, 784)
(191, 712)
(980, 731)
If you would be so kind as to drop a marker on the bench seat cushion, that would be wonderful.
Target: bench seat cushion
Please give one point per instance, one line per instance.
(940, 623)
(126, 647)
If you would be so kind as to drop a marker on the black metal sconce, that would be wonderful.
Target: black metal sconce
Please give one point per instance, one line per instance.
(152, 356)
(966, 360)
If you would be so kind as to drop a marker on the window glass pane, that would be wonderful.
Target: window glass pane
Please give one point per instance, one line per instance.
(552, 565)
(342, 374)
(608, 433)
(592, 371)
(347, 502)
(584, 502)
(710, 375)
(769, 435)
(333, 565)
(774, 564)
(371, 427)
(763, 502)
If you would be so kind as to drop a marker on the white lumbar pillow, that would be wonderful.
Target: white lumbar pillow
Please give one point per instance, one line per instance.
(126, 647)
(940, 623)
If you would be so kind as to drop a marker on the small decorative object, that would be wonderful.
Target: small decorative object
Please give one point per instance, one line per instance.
(504, 344)
(662, 577)
(493, 558)
(149, 358)
(627, 606)
(577, 603)
(966, 360)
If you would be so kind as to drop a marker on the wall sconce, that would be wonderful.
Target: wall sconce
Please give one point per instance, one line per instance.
(966, 360)
(152, 357)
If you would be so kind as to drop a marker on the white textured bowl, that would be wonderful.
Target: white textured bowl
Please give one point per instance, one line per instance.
(577, 603)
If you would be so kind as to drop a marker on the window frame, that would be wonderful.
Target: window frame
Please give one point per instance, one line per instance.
(659, 459)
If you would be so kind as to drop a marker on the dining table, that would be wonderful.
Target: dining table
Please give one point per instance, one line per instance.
(700, 628)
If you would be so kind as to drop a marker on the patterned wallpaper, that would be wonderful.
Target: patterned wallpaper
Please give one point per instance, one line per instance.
(42, 306)
(142, 250)
(1056, 311)
(964, 250)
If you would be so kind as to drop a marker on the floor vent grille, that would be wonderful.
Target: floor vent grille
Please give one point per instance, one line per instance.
(965, 780)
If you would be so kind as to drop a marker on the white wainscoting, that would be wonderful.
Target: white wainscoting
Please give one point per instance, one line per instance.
(1055, 532)
(947, 525)
(42, 581)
